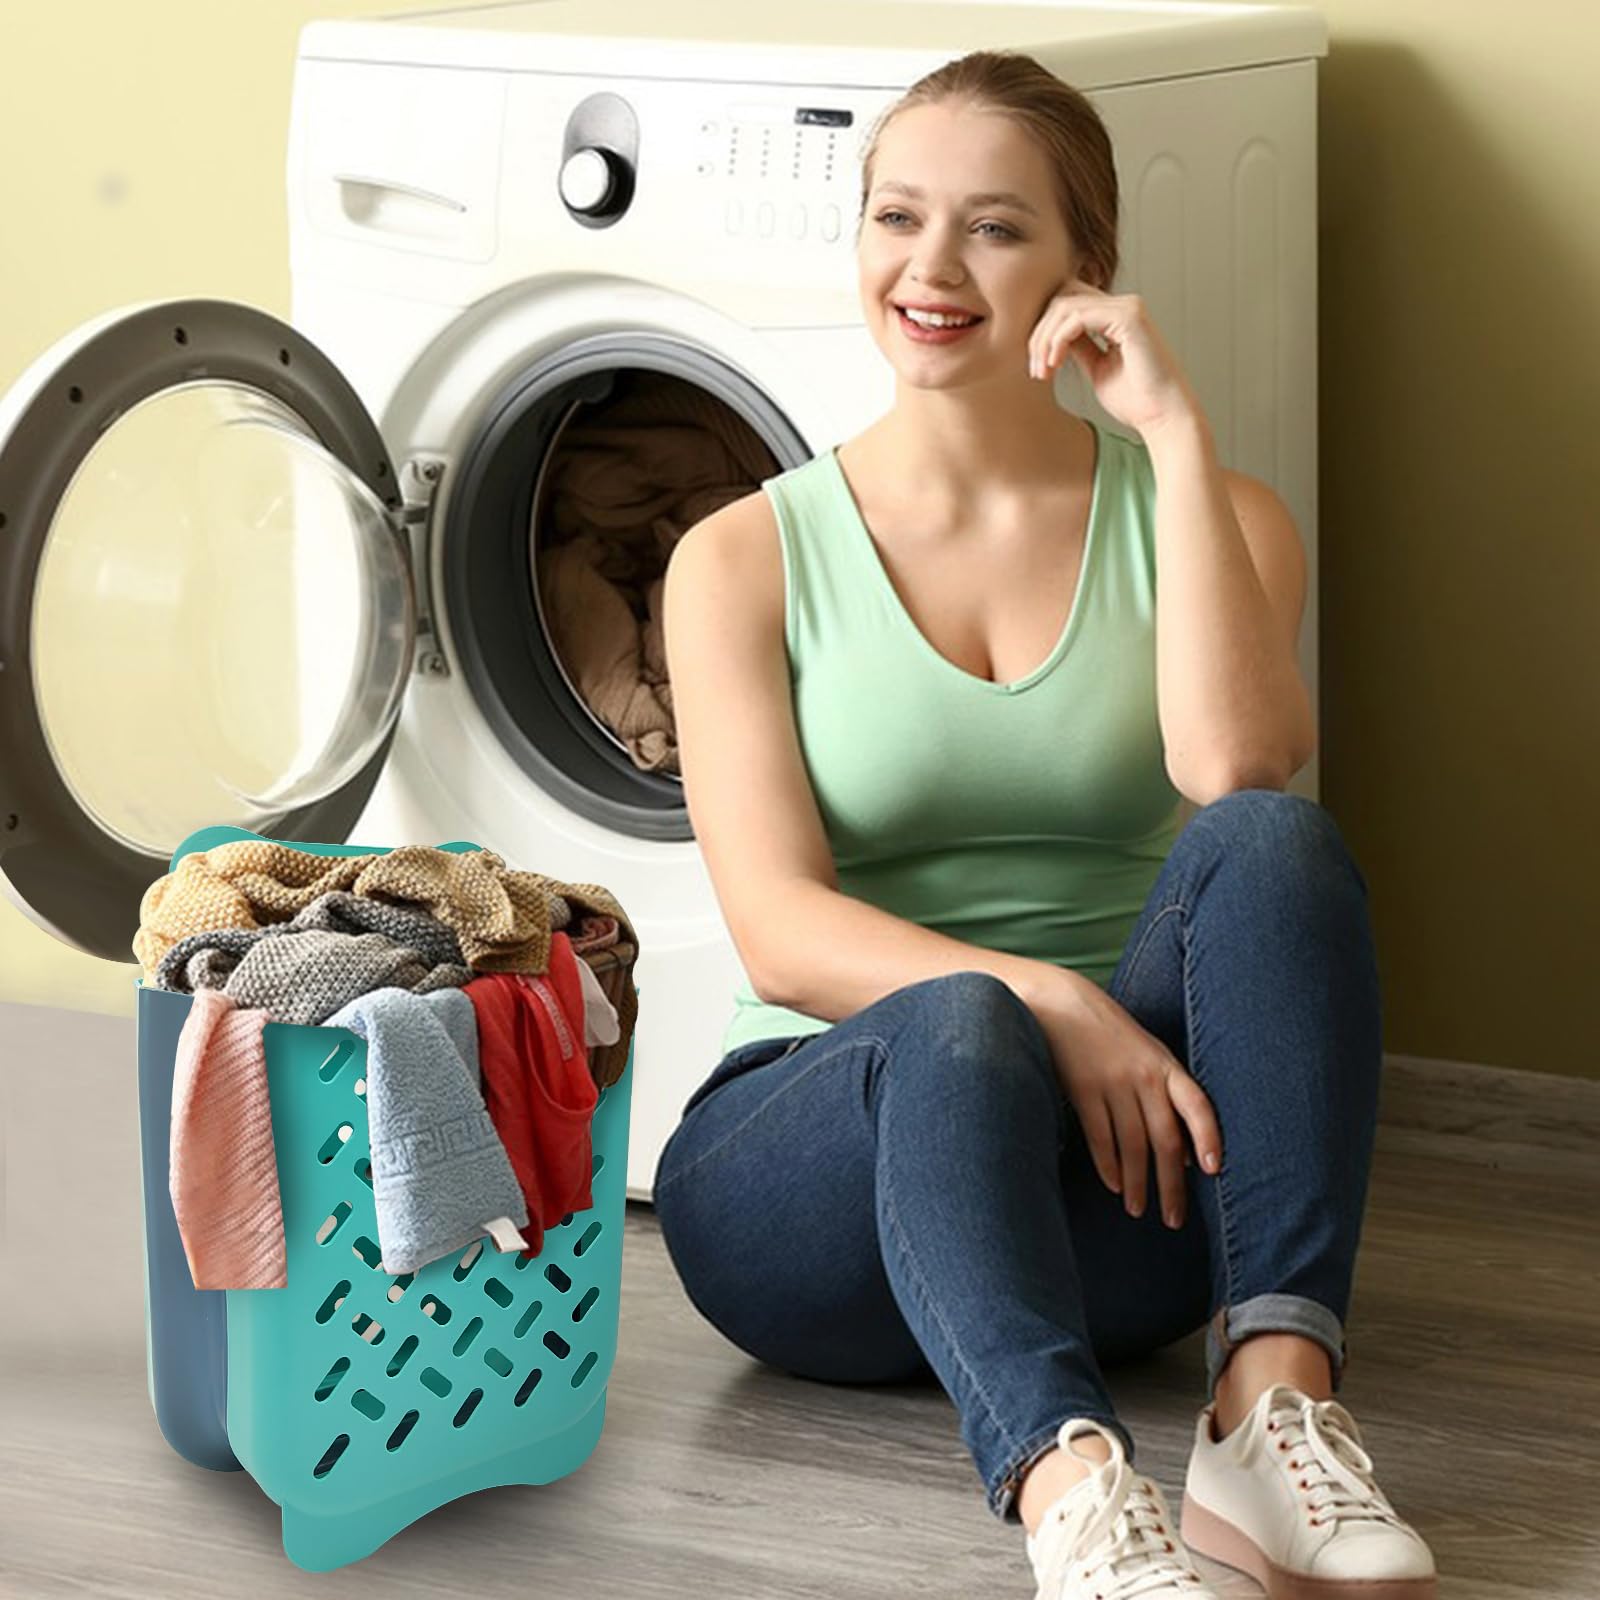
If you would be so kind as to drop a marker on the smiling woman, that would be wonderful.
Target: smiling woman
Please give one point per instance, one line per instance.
(935, 731)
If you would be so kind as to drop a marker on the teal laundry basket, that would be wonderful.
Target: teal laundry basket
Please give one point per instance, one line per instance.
(360, 1400)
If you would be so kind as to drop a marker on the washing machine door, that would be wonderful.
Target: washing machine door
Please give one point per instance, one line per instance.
(207, 613)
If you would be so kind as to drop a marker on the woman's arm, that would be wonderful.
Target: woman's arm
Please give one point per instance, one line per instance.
(1230, 570)
(843, 954)
(1230, 575)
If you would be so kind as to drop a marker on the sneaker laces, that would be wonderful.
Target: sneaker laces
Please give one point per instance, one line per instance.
(1115, 1532)
(1321, 1440)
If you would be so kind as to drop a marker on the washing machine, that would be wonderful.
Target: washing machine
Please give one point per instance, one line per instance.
(565, 277)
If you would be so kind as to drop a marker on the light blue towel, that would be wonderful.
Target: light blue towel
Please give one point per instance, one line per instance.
(440, 1174)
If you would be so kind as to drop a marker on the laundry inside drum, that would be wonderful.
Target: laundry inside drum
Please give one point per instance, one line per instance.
(622, 481)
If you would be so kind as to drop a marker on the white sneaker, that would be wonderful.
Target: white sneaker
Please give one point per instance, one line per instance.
(1110, 1537)
(1289, 1498)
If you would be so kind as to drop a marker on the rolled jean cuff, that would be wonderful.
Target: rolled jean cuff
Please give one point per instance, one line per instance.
(1008, 1482)
(1273, 1313)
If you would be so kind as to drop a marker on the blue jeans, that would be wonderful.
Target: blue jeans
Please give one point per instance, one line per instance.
(911, 1188)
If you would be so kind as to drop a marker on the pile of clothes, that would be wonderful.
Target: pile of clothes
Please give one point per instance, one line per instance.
(495, 1005)
(625, 483)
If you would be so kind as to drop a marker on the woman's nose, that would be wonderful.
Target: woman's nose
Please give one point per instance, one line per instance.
(937, 258)
(939, 267)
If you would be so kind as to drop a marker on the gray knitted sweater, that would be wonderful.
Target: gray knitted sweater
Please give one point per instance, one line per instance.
(339, 946)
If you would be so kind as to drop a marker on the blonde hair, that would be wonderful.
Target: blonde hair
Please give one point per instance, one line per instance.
(1060, 118)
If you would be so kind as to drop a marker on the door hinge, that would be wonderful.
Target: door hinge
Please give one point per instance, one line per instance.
(419, 482)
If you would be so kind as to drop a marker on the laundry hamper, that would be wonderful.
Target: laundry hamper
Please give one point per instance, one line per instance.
(359, 1400)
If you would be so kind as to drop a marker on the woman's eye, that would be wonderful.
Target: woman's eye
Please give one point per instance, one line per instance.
(1003, 232)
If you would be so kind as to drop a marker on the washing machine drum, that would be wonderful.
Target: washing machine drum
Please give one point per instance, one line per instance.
(623, 480)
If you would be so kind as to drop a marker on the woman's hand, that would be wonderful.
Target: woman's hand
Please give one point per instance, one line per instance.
(1136, 378)
(1128, 1090)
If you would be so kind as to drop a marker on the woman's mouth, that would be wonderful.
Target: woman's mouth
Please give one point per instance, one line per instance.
(930, 333)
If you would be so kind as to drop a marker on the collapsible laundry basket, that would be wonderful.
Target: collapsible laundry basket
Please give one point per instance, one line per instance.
(358, 1400)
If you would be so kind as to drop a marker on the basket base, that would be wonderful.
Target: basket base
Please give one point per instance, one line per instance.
(319, 1544)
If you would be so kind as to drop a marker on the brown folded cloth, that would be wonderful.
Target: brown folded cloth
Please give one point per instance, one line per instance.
(623, 488)
(607, 654)
(502, 918)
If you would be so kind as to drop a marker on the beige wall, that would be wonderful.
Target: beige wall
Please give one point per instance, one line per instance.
(1460, 336)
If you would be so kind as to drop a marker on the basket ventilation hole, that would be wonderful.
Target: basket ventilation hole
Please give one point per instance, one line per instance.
(332, 1223)
(469, 1260)
(497, 1292)
(361, 1087)
(334, 1301)
(368, 1251)
(435, 1380)
(334, 1142)
(497, 1362)
(468, 1406)
(583, 1369)
(367, 1329)
(566, 1221)
(554, 1343)
(364, 1171)
(368, 1404)
(330, 1379)
(558, 1277)
(407, 1423)
(334, 1065)
(581, 1310)
(590, 1234)
(599, 1161)
(468, 1334)
(433, 1306)
(398, 1360)
(529, 1384)
(398, 1288)
(526, 1320)
(330, 1455)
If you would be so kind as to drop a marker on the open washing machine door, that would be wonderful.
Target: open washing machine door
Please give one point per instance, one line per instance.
(207, 612)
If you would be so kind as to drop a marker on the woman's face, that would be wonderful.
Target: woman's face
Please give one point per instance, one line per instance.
(998, 259)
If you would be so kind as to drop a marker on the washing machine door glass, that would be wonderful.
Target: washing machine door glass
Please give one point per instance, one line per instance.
(204, 648)
(208, 614)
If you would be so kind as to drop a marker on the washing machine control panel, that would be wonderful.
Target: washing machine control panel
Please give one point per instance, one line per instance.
(787, 169)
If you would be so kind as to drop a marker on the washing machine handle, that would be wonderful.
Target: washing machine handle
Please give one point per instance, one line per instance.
(362, 194)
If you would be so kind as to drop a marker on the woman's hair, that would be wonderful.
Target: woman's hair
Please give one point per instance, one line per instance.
(1066, 126)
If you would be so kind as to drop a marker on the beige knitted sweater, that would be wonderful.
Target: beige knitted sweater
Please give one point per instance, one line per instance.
(502, 918)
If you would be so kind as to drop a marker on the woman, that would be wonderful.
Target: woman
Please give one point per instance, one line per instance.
(991, 981)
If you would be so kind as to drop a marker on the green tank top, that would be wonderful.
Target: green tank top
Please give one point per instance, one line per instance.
(1030, 817)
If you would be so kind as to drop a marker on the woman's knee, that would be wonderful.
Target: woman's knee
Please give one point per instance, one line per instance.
(1290, 837)
(971, 1026)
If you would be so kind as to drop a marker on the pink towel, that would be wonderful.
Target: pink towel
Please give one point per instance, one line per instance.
(223, 1166)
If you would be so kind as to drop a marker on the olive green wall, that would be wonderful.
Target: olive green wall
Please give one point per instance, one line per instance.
(1460, 514)
(1459, 341)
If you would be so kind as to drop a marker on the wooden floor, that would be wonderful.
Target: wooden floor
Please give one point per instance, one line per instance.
(1475, 1348)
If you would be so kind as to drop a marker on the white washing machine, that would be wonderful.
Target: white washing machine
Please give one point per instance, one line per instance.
(284, 576)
